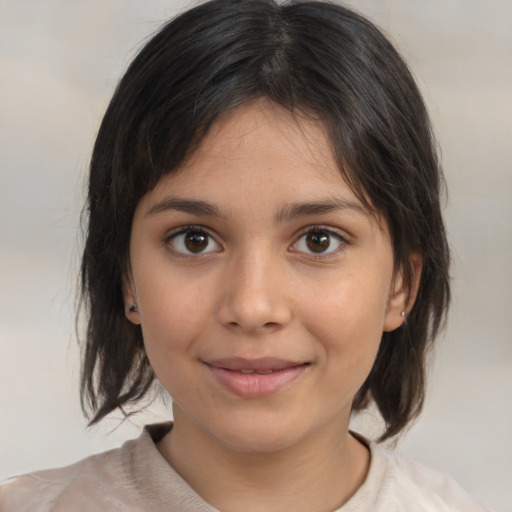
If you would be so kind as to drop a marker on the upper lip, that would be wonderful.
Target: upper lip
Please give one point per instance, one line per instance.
(263, 364)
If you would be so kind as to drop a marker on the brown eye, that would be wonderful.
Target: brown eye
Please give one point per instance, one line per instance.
(190, 240)
(318, 241)
(321, 241)
(195, 241)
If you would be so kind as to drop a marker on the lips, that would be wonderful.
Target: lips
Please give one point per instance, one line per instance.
(260, 372)
(255, 378)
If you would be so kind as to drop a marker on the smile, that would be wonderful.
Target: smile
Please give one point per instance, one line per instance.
(261, 372)
(256, 378)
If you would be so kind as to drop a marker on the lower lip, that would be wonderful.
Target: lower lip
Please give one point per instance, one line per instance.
(255, 385)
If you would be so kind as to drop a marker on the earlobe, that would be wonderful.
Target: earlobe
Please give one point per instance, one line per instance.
(403, 294)
(132, 311)
(131, 307)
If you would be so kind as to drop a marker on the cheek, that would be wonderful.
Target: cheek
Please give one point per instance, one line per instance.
(173, 313)
(347, 323)
(171, 323)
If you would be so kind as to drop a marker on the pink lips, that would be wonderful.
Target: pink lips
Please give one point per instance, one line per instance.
(255, 378)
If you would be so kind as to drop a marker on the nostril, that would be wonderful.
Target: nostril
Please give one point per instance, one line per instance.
(252, 313)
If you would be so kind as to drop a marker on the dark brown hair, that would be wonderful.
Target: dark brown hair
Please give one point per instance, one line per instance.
(313, 57)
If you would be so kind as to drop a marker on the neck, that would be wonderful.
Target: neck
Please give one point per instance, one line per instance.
(318, 473)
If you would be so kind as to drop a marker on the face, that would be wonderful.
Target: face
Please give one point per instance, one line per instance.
(263, 285)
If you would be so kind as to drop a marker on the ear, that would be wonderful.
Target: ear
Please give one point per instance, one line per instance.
(131, 307)
(402, 296)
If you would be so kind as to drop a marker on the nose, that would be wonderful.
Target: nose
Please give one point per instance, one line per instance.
(255, 296)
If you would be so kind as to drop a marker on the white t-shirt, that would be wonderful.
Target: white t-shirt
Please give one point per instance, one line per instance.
(136, 478)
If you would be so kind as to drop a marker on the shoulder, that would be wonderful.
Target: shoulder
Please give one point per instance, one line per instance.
(407, 485)
(81, 486)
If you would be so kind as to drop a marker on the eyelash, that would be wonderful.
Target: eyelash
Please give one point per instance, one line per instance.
(200, 230)
(183, 230)
(333, 233)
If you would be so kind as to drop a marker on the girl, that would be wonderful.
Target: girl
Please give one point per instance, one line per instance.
(265, 241)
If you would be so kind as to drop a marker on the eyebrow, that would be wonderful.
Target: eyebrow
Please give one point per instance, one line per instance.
(192, 206)
(323, 206)
(288, 212)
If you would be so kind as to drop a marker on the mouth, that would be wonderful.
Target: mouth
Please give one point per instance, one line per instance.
(255, 378)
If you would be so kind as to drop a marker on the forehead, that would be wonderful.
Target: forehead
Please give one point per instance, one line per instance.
(260, 164)
(265, 144)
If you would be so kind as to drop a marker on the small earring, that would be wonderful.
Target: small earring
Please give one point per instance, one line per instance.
(402, 314)
(133, 307)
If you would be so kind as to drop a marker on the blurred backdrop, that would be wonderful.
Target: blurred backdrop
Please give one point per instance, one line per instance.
(60, 61)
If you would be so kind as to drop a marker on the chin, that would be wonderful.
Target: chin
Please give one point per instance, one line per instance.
(258, 442)
(261, 434)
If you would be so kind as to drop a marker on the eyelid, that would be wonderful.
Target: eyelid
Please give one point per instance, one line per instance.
(180, 230)
(330, 230)
(337, 233)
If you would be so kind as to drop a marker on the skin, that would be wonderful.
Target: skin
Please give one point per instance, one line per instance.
(256, 289)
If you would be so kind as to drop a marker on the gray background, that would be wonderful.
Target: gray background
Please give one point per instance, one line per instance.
(59, 63)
